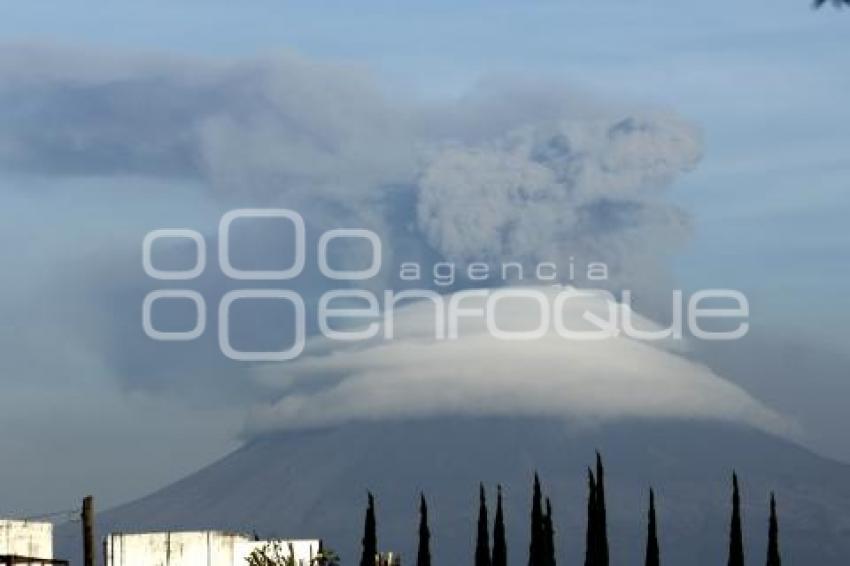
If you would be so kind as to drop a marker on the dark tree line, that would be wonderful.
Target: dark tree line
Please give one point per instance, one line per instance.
(736, 536)
(500, 545)
(596, 549)
(653, 554)
(482, 544)
(370, 535)
(773, 558)
(541, 548)
(423, 556)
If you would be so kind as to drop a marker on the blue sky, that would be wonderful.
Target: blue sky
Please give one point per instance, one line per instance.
(766, 82)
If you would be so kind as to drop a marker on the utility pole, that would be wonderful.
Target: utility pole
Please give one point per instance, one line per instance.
(88, 531)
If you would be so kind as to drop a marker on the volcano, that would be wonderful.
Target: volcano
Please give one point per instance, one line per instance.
(313, 484)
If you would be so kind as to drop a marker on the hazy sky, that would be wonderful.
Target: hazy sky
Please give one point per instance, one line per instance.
(764, 84)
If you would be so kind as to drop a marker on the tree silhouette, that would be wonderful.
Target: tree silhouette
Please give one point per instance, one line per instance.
(423, 556)
(601, 515)
(590, 549)
(500, 547)
(482, 545)
(773, 558)
(736, 537)
(370, 537)
(535, 548)
(652, 552)
(548, 536)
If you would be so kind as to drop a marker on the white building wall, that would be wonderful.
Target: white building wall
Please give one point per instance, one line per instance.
(26, 538)
(197, 548)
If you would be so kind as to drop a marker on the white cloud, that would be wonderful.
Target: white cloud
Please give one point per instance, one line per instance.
(417, 376)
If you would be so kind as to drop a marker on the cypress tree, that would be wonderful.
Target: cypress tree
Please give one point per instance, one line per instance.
(773, 558)
(370, 538)
(736, 537)
(590, 549)
(652, 552)
(535, 547)
(423, 556)
(601, 515)
(482, 545)
(549, 536)
(500, 547)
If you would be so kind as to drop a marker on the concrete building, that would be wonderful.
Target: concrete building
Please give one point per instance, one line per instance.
(26, 543)
(193, 548)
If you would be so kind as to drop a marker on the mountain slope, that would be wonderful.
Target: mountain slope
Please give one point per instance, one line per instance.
(314, 483)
